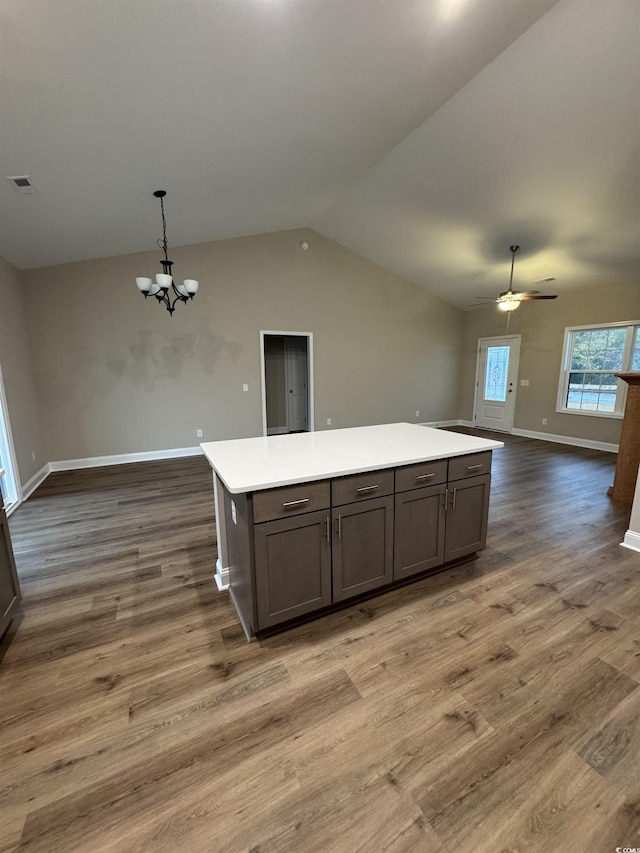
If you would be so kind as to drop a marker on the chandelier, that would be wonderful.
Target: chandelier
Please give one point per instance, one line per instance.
(164, 280)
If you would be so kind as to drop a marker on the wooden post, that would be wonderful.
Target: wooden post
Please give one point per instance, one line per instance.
(624, 483)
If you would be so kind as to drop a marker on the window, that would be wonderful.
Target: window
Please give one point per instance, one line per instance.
(495, 377)
(591, 357)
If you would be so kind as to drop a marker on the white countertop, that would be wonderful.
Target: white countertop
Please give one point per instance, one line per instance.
(252, 464)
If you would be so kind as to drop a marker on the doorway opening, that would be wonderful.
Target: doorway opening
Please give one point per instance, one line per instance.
(494, 403)
(287, 382)
(9, 490)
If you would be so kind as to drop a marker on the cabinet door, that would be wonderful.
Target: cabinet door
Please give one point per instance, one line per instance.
(419, 531)
(467, 515)
(9, 587)
(293, 567)
(362, 547)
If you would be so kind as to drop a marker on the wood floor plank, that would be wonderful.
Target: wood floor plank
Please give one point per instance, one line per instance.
(491, 707)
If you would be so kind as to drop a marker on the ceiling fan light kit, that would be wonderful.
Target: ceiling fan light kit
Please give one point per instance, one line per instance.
(164, 280)
(509, 299)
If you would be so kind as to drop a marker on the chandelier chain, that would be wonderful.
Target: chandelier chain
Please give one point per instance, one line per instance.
(162, 244)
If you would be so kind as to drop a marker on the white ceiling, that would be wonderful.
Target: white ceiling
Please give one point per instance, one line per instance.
(427, 135)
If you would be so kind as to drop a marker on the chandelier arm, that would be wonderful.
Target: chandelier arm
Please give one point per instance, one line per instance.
(179, 295)
(162, 298)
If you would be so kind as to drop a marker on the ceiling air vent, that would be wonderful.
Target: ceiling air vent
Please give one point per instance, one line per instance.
(22, 184)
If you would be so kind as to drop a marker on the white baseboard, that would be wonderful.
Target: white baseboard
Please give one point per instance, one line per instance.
(568, 439)
(437, 424)
(631, 540)
(123, 458)
(222, 576)
(31, 485)
(541, 436)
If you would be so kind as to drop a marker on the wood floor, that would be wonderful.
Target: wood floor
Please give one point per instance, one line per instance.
(491, 708)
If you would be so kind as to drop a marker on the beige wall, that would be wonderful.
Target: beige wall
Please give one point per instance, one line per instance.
(542, 325)
(116, 374)
(15, 360)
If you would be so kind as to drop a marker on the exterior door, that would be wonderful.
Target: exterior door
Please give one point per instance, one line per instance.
(9, 493)
(296, 383)
(496, 381)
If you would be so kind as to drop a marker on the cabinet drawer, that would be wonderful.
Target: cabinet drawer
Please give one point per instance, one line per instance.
(290, 500)
(470, 466)
(422, 474)
(358, 487)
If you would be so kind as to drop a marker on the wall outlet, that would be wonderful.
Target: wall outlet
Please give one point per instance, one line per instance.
(245, 387)
(417, 413)
(524, 383)
(198, 433)
(544, 422)
(328, 421)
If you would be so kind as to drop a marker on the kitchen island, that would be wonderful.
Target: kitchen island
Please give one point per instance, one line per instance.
(308, 521)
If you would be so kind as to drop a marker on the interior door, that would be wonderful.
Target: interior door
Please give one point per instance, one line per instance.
(496, 382)
(296, 383)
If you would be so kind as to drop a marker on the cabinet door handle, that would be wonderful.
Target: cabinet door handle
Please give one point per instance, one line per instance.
(445, 495)
(327, 522)
(425, 476)
(367, 489)
(339, 526)
(453, 499)
(290, 504)
(474, 467)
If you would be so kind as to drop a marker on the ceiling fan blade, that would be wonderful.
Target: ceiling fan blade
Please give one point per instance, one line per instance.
(526, 292)
(492, 298)
(526, 298)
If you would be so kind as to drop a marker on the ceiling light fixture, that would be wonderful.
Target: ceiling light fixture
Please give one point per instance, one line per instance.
(164, 280)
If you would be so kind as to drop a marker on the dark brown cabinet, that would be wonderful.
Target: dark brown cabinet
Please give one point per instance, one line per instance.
(466, 517)
(296, 550)
(9, 586)
(419, 531)
(362, 547)
(292, 567)
(444, 522)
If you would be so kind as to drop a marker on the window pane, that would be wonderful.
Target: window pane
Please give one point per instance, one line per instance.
(635, 361)
(495, 379)
(592, 392)
(598, 349)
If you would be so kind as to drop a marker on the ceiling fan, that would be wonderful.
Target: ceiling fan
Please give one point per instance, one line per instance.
(509, 299)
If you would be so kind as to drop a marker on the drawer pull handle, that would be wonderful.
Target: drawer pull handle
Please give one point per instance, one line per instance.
(474, 467)
(425, 476)
(366, 489)
(291, 504)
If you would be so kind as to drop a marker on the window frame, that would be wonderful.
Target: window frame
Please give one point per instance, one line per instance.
(565, 368)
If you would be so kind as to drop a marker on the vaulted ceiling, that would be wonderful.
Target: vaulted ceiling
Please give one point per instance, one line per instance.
(427, 135)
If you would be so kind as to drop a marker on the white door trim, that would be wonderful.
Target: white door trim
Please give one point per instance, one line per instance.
(515, 339)
(309, 337)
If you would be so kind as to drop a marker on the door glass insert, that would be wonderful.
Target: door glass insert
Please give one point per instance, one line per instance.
(495, 380)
